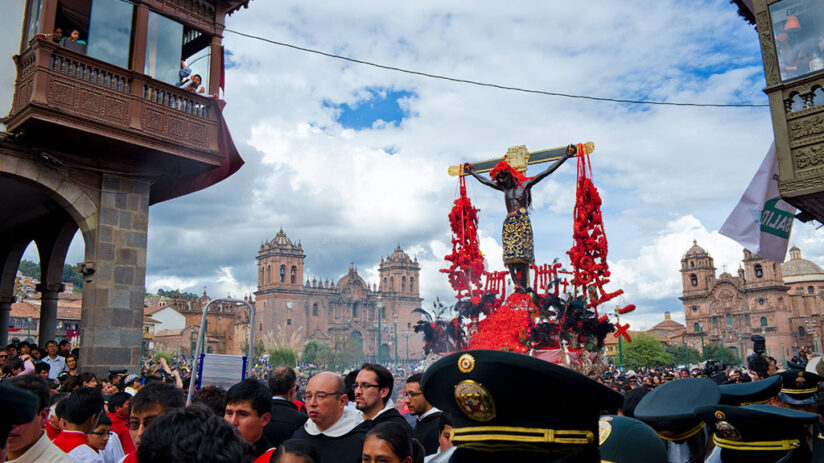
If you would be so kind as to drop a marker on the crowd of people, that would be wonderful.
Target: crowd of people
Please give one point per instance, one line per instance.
(472, 406)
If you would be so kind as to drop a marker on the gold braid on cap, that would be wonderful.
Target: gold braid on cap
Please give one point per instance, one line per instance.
(683, 435)
(516, 434)
(799, 391)
(787, 444)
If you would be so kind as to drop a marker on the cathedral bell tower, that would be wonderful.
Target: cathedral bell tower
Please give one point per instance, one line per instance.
(280, 263)
(697, 271)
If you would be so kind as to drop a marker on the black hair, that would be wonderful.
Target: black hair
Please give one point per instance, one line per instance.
(34, 384)
(60, 408)
(395, 436)
(40, 367)
(57, 397)
(281, 380)
(631, 399)
(11, 364)
(253, 391)
(349, 384)
(385, 378)
(213, 398)
(24, 343)
(86, 376)
(298, 447)
(63, 343)
(12, 345)
(444, 421)
(50, 341)
(82, 404)
(192, 434)
(118, 399)
(418, 451)
(104, 420)
(166, 395)
(415, 378)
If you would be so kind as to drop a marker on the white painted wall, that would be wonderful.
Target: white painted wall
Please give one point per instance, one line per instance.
(170, 319)
(11, 22)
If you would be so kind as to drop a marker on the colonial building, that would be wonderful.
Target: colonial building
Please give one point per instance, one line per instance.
(783, 302)
(342, 313)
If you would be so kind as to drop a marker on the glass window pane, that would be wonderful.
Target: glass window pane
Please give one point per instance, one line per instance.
(110, 32)
(164, 42)
(798, 28)
(33, 21)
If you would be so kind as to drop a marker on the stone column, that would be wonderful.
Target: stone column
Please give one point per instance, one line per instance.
(48, 312)
(5, 312)
(114, 286)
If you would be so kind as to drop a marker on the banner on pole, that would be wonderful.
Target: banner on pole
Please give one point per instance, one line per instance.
(762, 221)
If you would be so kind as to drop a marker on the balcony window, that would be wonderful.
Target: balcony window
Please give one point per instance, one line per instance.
(164, 40)
(110, 32)
(797, 30)
(729, 320)
(35, 13)
(169, 42)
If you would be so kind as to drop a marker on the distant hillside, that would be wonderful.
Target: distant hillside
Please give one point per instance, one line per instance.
(70, 274)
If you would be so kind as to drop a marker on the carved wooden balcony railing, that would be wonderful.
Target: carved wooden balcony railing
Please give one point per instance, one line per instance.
(77, 97)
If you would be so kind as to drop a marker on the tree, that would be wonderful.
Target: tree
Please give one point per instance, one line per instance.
(315, 352)
(684, 354)
(283, 355)
(70, 274)
(714, 352)
(646, 350)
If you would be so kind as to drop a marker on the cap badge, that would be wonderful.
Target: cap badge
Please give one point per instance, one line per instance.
(719, 415)
(474, 400)
(466, 363)
(800, 381)
(604, 430)
(727, 431)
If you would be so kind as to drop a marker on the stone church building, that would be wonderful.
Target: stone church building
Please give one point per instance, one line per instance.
(783, 302)
(342, 313)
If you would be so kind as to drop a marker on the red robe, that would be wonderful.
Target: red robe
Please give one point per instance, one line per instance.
(120, 426)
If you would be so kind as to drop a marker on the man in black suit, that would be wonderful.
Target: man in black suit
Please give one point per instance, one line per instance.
(286, 419)
(426, 424)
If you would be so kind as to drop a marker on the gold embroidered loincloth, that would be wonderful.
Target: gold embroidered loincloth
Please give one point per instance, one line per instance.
(516, 238)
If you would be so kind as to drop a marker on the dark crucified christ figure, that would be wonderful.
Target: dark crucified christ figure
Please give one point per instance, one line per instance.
(516, 239)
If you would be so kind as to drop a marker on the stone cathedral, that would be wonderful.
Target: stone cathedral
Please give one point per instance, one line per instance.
(342, 312)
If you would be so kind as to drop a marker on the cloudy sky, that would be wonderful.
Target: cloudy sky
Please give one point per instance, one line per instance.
(351, 160)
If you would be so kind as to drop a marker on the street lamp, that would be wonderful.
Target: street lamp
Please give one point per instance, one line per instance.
(395, 319)
(379, 305)
(406, 334)
(703, 350)
(28, 326)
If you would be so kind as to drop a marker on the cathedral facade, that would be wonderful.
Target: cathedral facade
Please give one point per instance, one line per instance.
(782, 302)
(342, 313)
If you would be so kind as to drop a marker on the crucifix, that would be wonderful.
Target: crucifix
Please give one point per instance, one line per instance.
(507, 177)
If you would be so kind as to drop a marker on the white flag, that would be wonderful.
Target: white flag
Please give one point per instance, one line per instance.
(762, 221)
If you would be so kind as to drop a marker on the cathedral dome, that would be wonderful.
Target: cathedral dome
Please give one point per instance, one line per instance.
(399, 256)
(797, 268)
(281, 239)
(351, 278)
(695, 250)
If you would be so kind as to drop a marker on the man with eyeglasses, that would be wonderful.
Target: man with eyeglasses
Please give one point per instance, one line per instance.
(426, 424)
(149, 403)
(337, 434)
(373, 388)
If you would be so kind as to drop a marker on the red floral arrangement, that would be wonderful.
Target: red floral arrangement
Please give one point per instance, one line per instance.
(467, 262)
(503, 329)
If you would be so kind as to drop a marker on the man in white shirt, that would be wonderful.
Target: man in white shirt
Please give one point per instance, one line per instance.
(57, 364)
(83, 409)
(28, 443)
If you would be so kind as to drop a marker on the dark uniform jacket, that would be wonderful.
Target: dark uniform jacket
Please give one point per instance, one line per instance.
(391, 415)
(426, 431)
(338, 444)
(286, 419)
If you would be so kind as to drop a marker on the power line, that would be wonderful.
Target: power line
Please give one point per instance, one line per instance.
(486, 84)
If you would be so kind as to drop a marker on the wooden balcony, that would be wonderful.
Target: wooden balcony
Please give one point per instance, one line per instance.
(78, 105)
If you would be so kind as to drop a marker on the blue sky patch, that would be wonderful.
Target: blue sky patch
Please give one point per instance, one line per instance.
(379, 104)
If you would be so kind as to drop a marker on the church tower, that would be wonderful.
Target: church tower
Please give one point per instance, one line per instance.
(280, 263)
(761, 273)
(399, 274)
(697, 271)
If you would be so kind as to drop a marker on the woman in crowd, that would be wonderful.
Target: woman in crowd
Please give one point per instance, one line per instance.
(389, 442)
(71, 365)
(296, 451)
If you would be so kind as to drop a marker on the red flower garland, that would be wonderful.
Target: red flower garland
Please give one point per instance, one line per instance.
(467, 262)
(503, 329)
(503, 166)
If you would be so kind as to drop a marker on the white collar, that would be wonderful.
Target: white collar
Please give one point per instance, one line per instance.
(428, 412)
(346, 423)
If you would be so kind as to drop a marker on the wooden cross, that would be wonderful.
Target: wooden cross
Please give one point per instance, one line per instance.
(518, 157)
